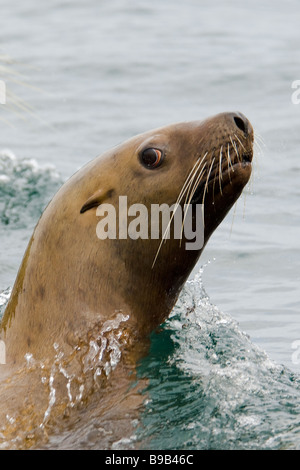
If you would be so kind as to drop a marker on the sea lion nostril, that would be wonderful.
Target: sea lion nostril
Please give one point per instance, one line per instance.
(241, 124)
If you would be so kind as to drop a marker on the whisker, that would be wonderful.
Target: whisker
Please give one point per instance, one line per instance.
(235, 148)
(257, 136)
(229, 162)
(186, 185)
(7, 122)
(220, 169)
(257, 152)
(188, 196)
(192, 192)
(239, 141)
(257, 146)
(190, 175)
(205, 189)
(206, 184)
(229, 158)
(193, 177)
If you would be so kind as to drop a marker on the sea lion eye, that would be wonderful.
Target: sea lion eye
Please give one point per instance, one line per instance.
(151, 158)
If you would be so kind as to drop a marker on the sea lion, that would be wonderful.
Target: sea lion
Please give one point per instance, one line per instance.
(77, 299)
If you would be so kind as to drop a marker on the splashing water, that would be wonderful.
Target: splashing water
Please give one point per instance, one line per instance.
(4, 298)
(212, 388)
(107, 341)
(24, 184)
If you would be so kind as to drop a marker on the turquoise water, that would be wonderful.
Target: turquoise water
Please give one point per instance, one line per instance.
(89, 75)
(212, 388)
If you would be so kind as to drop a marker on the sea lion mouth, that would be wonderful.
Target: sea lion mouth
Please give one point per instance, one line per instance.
(221, 172)
(244, 162)
(247, 157)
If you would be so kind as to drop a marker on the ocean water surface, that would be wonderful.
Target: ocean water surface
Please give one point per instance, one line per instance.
(83, 76)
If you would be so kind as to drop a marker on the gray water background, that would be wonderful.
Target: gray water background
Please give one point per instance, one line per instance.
(96, 72)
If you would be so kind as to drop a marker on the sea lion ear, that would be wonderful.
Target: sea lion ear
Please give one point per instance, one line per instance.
(96, 199)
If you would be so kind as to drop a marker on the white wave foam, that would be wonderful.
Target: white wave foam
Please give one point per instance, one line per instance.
(4, 298)
(25, 188)
(237, 396)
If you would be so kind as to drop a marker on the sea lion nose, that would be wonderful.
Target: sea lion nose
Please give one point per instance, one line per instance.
(242, 123)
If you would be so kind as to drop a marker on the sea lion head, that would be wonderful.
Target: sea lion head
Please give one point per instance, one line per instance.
(183, 165)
